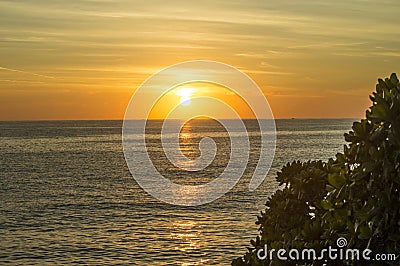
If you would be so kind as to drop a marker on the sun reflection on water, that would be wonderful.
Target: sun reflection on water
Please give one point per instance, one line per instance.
(187, 235)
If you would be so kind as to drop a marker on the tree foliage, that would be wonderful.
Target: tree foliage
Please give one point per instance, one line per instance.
(355, 195)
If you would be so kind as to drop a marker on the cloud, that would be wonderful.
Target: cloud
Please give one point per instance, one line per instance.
(26, 72)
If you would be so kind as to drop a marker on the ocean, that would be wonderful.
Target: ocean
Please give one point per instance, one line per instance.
(67, 196)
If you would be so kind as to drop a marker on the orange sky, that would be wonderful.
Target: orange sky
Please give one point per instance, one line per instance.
(84, 59)
(191, 108)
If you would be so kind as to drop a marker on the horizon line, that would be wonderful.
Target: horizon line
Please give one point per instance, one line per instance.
(159, 119)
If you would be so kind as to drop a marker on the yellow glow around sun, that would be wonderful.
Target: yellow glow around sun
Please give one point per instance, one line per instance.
(185, 94)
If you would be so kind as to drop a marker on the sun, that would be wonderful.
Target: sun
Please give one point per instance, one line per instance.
(185, 94)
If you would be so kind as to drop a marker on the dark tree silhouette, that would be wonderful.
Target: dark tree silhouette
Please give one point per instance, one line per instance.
(356, 195)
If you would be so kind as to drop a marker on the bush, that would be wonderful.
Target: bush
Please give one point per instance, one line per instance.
(355, 195)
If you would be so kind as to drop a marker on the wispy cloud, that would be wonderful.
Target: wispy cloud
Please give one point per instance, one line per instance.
(279, 73)
(327, 45)
(26, 72)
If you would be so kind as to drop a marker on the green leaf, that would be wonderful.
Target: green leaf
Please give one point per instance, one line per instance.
(365, 232)
(326, 205)
(393, 79)
(336, 180)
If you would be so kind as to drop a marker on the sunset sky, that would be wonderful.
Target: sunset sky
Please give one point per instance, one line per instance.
(84, 59)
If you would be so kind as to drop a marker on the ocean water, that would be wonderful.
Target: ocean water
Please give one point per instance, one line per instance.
(67, 196)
